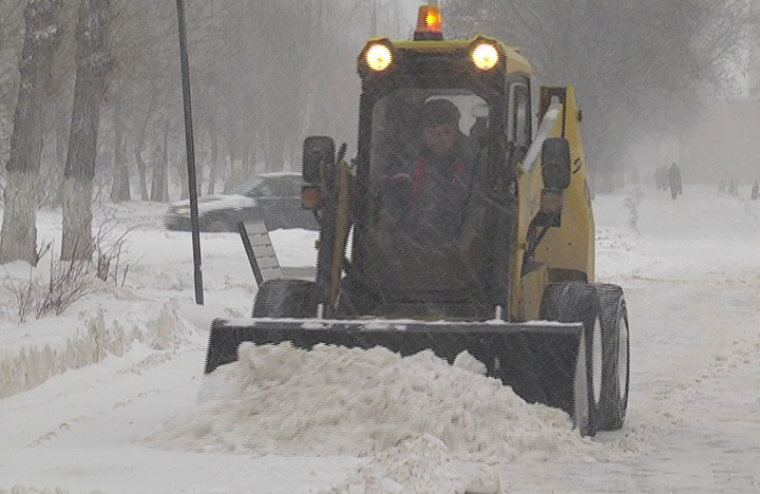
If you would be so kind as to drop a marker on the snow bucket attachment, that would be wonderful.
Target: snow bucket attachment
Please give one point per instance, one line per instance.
(543, 362)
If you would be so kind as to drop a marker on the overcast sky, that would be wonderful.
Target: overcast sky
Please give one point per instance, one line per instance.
(409, 9)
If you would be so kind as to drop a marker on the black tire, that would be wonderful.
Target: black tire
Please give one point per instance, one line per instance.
(616, 361)
(578, 302)
(284, 298)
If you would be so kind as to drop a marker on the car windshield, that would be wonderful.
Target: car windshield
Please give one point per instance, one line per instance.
(253, 186)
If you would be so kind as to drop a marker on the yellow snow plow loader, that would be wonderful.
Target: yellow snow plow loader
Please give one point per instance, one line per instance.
(460, 225)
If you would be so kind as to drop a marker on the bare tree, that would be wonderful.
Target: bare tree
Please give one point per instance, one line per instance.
(142, 45)
(19, 233)
(94, 62)
(11, 42)
(142, 125)
(264, 74)
(159, 187)
(120, 189)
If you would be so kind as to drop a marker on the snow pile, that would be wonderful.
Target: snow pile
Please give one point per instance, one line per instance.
(422, 465)
(340, 401)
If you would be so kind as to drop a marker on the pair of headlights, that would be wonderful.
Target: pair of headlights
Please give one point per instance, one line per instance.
(483, 55)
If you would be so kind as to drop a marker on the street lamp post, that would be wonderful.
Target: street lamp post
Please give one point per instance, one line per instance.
(197, 271)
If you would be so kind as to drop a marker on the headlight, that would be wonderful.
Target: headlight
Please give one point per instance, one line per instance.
(378, 57)
(182, 211)
(485, 56)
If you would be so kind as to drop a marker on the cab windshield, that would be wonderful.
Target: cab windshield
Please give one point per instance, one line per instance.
(427, 178)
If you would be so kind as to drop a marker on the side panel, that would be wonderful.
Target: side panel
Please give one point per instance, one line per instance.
(532, 287)
(346, 187)
(530, 184)
(569, 249)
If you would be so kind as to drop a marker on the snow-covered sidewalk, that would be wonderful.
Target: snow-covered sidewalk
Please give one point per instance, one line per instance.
(113, 405)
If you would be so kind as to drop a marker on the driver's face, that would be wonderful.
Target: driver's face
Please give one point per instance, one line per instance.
(440, 139)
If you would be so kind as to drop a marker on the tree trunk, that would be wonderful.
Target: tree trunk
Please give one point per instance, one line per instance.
(275, 152)
(159, 175)
(141, 168)
(18, 238)
(61, 133)
(61, 142)
(120, 191)
(183, 180)
(140, 147)
(93, 65)
(212, 170)
(234, 126)
(165, 164)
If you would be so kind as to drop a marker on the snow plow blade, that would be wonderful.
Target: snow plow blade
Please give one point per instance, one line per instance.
(543, 362)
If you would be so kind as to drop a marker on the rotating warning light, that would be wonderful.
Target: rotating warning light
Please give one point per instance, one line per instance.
(485, 56)
(428, 23)
(378, 57)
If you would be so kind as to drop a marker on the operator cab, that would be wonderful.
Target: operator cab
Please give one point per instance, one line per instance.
(424, 218)
(421, 225)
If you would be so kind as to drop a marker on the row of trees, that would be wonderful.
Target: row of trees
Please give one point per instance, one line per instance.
(640, 67)
(93, 61)
(90, 99)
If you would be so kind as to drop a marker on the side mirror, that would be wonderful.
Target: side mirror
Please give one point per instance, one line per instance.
(317, 151)
(555, 163)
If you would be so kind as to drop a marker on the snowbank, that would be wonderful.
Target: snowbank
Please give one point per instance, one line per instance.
(87, 340)
(353, 402)
(150, 308)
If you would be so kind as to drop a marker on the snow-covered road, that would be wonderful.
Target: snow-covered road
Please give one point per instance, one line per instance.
(694, 299)
(691, 273)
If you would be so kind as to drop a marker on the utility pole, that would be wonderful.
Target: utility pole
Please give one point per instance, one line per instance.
(193, 190)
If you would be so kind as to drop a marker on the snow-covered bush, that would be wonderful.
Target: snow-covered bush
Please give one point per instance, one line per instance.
(67, 281)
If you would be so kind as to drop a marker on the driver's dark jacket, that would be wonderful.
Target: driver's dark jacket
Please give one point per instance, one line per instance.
(434, 245)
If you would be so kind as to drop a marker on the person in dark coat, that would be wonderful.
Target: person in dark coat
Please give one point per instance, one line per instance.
(755, 191)
(432, 196)
(432, 218)
(674, 180)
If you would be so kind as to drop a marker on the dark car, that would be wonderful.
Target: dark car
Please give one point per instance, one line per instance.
(274, 198)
